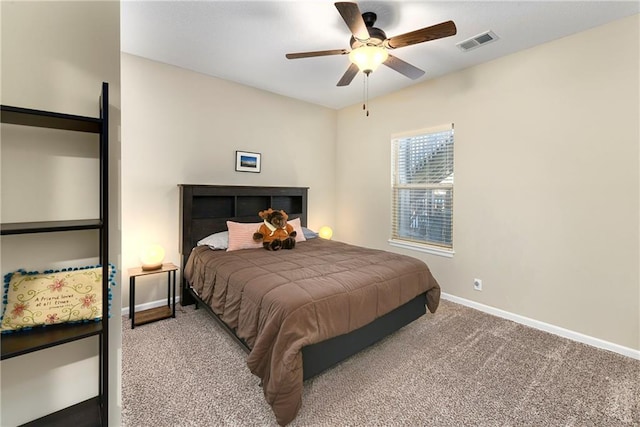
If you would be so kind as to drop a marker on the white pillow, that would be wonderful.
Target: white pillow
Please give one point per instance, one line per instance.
(216, 241)
(308, 233)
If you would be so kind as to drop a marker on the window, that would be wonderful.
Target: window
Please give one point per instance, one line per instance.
(422, 189)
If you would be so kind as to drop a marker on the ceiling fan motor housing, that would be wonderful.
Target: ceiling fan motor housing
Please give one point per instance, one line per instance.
(376, 37)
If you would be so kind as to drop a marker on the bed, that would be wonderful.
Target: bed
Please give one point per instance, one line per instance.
(296, 312)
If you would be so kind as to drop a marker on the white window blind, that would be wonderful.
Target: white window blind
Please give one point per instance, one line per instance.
(422, 188)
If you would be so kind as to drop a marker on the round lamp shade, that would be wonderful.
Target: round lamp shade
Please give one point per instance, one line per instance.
(368, 58)
(325, 232)
(152, 257)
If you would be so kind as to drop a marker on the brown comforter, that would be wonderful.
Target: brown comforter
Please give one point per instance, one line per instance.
(279, 302)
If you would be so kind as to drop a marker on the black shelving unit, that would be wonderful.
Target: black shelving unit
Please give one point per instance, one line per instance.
(92, 412)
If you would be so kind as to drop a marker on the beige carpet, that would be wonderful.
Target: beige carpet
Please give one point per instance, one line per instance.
(457, 367)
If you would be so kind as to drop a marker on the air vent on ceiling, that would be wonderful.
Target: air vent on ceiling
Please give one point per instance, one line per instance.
(477, 41)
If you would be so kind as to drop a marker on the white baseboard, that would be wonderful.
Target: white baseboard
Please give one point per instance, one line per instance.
(148, 305)
(536, 324)
(546, 327)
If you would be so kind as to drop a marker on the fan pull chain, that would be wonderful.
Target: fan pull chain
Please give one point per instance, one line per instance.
(365, 92)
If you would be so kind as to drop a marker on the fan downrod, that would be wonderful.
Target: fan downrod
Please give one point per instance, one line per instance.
(369, 18)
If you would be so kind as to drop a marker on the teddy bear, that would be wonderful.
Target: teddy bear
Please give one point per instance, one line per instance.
(275, 233)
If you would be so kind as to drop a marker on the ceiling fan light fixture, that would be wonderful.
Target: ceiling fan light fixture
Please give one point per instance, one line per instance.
(368, 58)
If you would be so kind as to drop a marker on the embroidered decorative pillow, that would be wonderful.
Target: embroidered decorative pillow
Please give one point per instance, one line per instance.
(52, 297)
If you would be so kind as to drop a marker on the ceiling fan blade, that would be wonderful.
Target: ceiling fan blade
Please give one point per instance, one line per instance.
(316, 53)
(438, 31)
(353, 18)
(403, 68)
(348, 75)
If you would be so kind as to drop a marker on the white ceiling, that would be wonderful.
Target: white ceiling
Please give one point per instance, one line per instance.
(246, 41)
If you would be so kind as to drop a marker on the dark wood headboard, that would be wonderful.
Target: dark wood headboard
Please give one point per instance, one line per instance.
(205, 209)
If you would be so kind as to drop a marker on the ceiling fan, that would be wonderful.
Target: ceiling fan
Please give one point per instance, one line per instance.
(370, 45)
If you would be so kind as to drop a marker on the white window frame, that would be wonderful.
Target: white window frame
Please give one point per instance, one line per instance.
(414, 243)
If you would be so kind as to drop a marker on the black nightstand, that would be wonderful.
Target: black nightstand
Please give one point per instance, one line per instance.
(158, 313)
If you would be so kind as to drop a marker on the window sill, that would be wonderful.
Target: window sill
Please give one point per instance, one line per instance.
(448, 253)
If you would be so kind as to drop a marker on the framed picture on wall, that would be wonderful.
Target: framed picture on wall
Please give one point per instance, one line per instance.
(247, 162)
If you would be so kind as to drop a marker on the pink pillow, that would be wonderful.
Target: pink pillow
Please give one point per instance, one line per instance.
(241, 235)
(295, 223)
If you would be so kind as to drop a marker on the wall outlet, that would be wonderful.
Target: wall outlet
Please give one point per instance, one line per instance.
(477, 284)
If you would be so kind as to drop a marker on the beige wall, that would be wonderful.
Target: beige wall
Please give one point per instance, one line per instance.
(546, 201)
(55, 56)
(181, 127)
(547, 185)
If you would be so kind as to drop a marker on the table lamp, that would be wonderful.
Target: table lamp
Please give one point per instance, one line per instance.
(325, 232)
(152, 257)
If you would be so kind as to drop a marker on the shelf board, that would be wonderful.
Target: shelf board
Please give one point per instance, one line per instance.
(39, 338)
(83, 414)
(49, 226)
(152, 315)
(48, 119)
